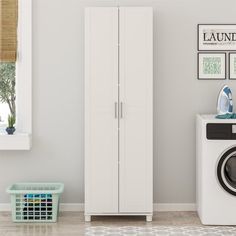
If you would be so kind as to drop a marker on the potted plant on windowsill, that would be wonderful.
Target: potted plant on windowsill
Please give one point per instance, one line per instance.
(11, 121)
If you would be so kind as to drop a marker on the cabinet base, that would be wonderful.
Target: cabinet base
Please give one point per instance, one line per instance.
(148, 218)
(88, 218)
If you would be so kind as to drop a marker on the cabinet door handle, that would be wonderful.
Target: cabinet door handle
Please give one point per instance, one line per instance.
(121, 110)
(116, 113)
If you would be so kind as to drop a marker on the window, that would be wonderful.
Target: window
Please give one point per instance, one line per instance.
(20, 74)
(8, 57)
(7, 93)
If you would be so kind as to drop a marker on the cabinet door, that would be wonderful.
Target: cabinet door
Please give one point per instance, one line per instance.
(101, 126)
(136, 102)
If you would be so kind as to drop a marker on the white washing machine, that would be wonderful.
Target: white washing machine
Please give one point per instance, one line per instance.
(216, 170)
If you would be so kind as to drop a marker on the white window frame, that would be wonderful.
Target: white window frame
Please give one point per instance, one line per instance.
(21, 140)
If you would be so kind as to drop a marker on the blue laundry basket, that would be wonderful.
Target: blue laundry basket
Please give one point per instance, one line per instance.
(35, 202)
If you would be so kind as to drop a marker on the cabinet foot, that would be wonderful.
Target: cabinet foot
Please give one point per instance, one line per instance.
(87, 218)
(148, 218)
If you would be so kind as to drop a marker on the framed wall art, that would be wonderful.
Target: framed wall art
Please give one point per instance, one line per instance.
(216, 37)
(232, 65)
(211, 66)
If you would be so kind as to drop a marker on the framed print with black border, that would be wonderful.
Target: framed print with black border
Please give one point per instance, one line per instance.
(216, 37)
(211, 66)
(232, 65)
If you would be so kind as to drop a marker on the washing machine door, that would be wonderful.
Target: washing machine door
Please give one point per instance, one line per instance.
(226, 171)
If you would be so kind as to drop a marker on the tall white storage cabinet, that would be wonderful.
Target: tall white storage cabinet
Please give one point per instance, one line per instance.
(118, 111)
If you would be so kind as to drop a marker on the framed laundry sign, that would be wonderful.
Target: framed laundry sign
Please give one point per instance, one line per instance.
(217, 37)
(211, 66)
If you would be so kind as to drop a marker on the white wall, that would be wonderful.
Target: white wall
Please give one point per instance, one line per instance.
(57, 153)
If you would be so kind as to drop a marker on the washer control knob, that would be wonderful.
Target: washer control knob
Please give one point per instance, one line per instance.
(234, 129)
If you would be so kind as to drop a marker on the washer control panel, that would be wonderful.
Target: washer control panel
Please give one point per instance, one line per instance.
(219, 131)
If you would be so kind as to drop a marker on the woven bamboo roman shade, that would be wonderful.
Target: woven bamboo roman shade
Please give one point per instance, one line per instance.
(8, 30)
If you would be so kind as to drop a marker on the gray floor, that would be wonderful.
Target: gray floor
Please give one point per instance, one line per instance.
(72, 224)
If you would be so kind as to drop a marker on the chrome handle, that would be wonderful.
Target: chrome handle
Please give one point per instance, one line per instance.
(121, 110)
(116, 113)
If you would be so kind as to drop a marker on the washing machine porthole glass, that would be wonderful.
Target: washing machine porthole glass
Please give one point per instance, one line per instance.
(230, 171)
(226, 171)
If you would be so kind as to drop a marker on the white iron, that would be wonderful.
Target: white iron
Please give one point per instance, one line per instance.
(225, 102)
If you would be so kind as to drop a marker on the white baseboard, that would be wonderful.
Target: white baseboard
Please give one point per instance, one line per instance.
(5, 207)
(72, 207)
(156, 207)
(174, 207)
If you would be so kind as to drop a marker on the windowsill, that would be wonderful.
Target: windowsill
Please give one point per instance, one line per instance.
(17, 141)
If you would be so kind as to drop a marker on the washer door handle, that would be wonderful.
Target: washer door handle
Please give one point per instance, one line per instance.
(121, 110)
